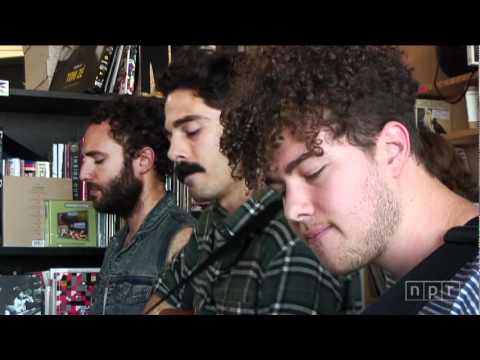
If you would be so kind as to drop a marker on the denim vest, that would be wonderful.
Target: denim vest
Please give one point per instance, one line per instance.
(128, 274)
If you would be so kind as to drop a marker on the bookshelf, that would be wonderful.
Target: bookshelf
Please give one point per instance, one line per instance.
(37, 119)
(463, 137)
(450, 88)
(22, 260)
(460, 135)
(50, 102)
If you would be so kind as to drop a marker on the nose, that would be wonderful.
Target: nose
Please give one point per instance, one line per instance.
(178, 150)
(298, 206)
(86, 171)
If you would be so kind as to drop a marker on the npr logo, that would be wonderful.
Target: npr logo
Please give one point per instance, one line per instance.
(427, 290)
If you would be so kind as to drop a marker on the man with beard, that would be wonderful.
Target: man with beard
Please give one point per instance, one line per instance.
(125, 163)
(255, 264)
(333, 129)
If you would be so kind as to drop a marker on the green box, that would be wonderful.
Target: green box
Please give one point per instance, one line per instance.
(70, 223)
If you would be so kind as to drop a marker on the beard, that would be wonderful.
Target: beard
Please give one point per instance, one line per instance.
(120, 196)
(385, 222)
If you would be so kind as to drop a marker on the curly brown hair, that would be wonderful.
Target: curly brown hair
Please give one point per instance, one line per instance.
(349, 90)
(137, 122)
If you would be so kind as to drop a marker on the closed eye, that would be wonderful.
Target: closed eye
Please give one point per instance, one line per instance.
(192, 133)
(315, 174)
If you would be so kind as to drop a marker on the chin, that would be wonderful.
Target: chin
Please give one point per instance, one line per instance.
(203, 195)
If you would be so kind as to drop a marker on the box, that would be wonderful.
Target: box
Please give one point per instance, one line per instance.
(23, 208)
(40, 63)
(70, 223)
(71, 291)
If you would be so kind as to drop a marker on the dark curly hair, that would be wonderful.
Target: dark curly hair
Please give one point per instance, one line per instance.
(207, 73)
(137, 122)
(350, 90)
(443, 162)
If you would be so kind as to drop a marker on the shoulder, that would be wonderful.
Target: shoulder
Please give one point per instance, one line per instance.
(181, 216)
(467, 300)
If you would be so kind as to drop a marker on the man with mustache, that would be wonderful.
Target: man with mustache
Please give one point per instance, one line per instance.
(267, 269)
(333, 129)
(125, 163)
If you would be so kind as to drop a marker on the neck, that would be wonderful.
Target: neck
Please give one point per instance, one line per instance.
(151, 194)
(235, 196)
(428, 212)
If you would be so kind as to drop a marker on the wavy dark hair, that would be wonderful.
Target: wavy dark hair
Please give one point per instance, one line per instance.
(350, 90)
(137, 122)
(443, 162)
(207, 73)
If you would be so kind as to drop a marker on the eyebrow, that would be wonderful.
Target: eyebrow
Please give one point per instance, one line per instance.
(94, 153)
(293, 164)
(186, 119)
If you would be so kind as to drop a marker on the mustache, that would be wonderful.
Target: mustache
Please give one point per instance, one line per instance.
(183, 169)
(93, 186)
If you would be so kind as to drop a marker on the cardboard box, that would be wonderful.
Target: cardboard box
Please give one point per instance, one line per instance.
(40, 63)
(23, 207)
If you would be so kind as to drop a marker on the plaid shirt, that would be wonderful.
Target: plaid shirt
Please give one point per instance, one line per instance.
(277, 273)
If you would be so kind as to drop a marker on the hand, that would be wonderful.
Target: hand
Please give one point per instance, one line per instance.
(154, 299)
(162, 309)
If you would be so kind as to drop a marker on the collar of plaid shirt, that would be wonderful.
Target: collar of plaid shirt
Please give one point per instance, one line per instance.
(227, 227)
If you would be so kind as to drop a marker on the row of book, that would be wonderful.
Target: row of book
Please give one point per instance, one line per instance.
(65, 291)
(65, 164)
(21, 167)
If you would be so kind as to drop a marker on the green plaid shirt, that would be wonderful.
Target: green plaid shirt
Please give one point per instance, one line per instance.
(277, 273)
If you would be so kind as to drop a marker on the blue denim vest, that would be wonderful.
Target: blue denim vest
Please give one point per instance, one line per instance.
(128, 274)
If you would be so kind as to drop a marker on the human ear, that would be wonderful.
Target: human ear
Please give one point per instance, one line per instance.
(393, 147)
(145, 160)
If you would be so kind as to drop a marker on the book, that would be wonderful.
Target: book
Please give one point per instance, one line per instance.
(122, 76)
(70, 223)
(72, 290)
(42, 169)
(60, 160)
(131, 69)
(115, 66)
(22, 295)
(77, 68)
(76, 187)
(55, 161)
(106, 61)
(28, 168)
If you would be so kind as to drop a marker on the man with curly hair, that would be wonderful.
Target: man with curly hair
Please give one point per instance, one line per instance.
(333, 129)
(125, 163)
(266, 269)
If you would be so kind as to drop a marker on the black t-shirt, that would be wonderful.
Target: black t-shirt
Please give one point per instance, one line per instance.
(434, 276)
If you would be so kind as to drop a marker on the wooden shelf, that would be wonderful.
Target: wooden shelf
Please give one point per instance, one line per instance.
(451, 88)
(52, 251)
(25, 259)
(463, 137)
(50, 102)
